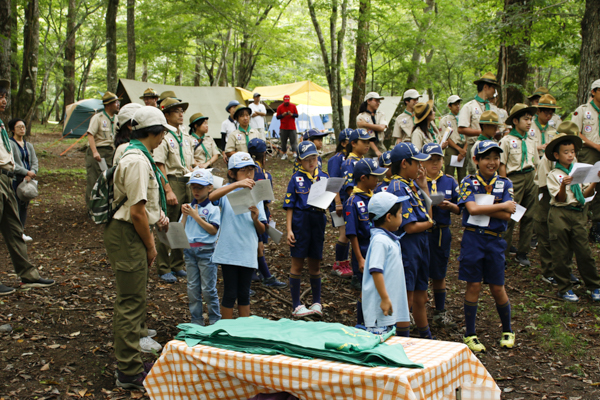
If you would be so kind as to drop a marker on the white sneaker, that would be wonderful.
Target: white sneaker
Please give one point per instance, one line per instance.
(27, 238)
(149, 345)
(151, 333)
(302, 311)
(317, 309)
(284, 157)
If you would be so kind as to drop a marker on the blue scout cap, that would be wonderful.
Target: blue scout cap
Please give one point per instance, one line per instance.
(344, 135)
(382, 202)
(311, 133)
(201, 177)
(306, 149)
(367, 166)
(405, 150)
(486, 145)
(232, 103)
(385, 158)
(257, 145)
(432, 148)
(360, 134)
(240, 160)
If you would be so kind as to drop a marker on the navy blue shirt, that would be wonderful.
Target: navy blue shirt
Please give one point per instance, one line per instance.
(413, 209)
(299, 187)
(356, 214)
(348, 170)
(260, 174)
(382, 186)
(447, 186)
(334, 165)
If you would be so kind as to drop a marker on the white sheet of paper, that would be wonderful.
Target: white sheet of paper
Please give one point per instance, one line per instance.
(274, 234)
(588, 199)
(455, 163)
(518, 213)
(272, 223)
(217, 182)
(585, 173)
(481, 220)
(447, 134)
(323, 192)
(335, 184)
(541, 195)
(427, 201)
(241, 200)
(337, 221)
(175, 238)
(436, 199)
(102, 164)
(262, 191)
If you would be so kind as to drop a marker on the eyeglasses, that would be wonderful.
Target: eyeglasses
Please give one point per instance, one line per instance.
(22, 126)
(178, 110)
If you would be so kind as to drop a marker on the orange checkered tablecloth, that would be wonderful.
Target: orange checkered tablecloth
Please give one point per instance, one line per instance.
(203, 372)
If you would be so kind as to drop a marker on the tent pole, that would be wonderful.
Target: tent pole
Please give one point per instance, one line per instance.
(71, 146)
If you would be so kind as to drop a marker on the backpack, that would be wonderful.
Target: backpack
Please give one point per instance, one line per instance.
(102, 197)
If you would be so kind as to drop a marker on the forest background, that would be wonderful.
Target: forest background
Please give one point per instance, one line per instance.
(56, 52)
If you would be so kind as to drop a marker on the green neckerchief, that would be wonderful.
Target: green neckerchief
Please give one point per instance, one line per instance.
(112, 121)
(5, 138)
(136, 144)
(408, 113)
(523, 145)
(180, 141)
(597, 110)
(200, 143)
(542, 129)
(486, 103)
(576, 189)
(490, 186)
(462, 137)
(432, 134)
(483, 137)
(247, 132)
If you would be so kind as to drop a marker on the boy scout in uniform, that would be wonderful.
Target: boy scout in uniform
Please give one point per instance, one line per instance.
(586, 118)
(374, 121)
(534, 100)
(468, 118)
(518, 159)
(238, 140)
(175, 158)
(488, 123)
(457, 143)
(11, 227)
(150, 97)
(403, 126)
(542, 130)
(101, 134)
(206, 152)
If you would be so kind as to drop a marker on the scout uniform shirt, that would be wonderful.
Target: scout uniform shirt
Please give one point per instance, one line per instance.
(470, 113)
(420, 139)
(403, 126)
(7, 162)
(413, 209)
(238, 140)
(383, 185)
(356, 214)
(513, 156)
(175, 152)
(102, 129)
(204, 151)
(298, 189)
(586, 118)
(446, 185)
(543, 134)
(135, 179)
(451, 121)
(334, 165)
(555, 178)
(347, 172)
(378, 119)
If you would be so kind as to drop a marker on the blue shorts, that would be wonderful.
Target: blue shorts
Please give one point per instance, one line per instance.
(438, 255)
(264, 237)
(354, 261)
(309, 231)
(481, 258)
(415, 257)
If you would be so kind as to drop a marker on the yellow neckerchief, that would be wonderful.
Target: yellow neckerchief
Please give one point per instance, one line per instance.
(356, 190)
(310, 176)
(488, 188)
(355, 156)
(434, 182)
(387, 180)
(411, 184)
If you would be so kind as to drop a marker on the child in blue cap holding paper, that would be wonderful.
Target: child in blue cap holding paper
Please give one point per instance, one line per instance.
(305, 229)
(385, 160)
(201, 220)
(315, 136)
(482, 247)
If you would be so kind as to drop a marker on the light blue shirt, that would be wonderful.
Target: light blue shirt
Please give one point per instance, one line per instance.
(385, 256)
(238, 240)
(194, 232)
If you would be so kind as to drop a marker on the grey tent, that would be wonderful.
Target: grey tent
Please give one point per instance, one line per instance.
(78, 115)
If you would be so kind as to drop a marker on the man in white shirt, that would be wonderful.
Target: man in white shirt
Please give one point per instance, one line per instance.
(229, 125)
(257, 119)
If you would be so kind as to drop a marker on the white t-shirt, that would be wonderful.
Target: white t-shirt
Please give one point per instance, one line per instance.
(227, 127)
(257, 122)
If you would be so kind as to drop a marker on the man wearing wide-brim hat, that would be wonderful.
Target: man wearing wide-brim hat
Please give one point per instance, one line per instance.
(206, 152)
(175, 158)
(518, 162)
(101, 134)
(541, 127)
(239, 139)
(150, 97)
(534, 100)
(425, 130)
(403, 126)
(373, 120)
(468, 118)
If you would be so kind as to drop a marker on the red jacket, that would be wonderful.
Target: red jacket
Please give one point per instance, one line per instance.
(288, 122)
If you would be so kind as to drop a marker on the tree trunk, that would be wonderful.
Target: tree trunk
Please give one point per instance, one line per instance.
(145, 71)
(111, 45)
(15, 71)
(26, 96)
(589, 69)
(87, 68)
(131, 39)
(69, 67)
(197, 67)
(6, 19)
(360, 60)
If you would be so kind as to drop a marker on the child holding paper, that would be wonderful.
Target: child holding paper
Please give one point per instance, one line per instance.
(305, 229)
(482, 247)
(201, 220)
(567, 219)
(237, 247)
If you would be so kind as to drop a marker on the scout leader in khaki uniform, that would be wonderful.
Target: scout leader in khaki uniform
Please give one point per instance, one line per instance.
(101, 133)
(457, 143)
(586, 118)
(518, 163)
(425, 130)
(567, 219)
(150, 97)
(534, 100)
(238, 140)
(11, 227)
(542, 130)
(374, 121)
(175, 158)
(468, 118)
(129, 241)
(403, 126)
(206, 152)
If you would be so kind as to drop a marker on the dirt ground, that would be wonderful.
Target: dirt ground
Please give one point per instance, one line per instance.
(61, 343)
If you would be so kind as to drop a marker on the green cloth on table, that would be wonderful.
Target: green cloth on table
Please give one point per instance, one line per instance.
(300, 339)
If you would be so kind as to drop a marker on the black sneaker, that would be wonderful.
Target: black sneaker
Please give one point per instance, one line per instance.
(356, 283)
(512, 250)
(5, 290)
(523, 260)
(550, 280)
(533, 243)
(575, 280)
(131, 382)
(40, 283)
(252, 293)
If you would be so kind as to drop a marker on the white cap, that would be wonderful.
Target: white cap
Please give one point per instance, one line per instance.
(149, 116)
(126, 113)
(382, 202)
(453, 99)
(373, 95)
(411, 94)
(596, 84)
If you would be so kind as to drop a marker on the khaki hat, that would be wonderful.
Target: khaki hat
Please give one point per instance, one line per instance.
(547, 101)
(489, 78)
(422, 110)
(453, 99)
(149, 93)
(568, 127)
(539, 92)
(4, 84)
(149, 116)
(27, 190)
(411, 94)
(489, 118)
(240, 108)
(518, 110)
(126, 112)
(195, 118)
(165, 94)
(595, 84)
(109, 97)
(373, 95)
(557, 140)
(170, 102)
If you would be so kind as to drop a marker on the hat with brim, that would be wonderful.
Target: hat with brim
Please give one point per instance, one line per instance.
(381, 203)
(519, 110)
(4, 84)
(241, 108)
(432, 149)
(547, 101)
(232, 103)
(484, 146)
(196, 118)
(149, 93)
(202, 177)
(167, 94)
(373, 95)
(367, 166)
(126, 112)
(313, 133)
(169, 103)
(454, 99)
(488, 78)
(489, 118)
(422, 110)
(405, 150)
(539, 92)
(109, 97)
(240, 160)
(596, 84)
(360, 134)
(148, 116)
(561, 138)
(410, 94)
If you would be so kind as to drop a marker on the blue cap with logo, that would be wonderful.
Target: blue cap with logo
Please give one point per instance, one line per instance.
(405, 150)
(240, 160)
(306, 149)
(313, 133)
(201, 177)
(431, 149)
(257, 145)
(367, 166)
(382, 202)
(344, 135)
(485, 146)
(385, 158)
(360, 134)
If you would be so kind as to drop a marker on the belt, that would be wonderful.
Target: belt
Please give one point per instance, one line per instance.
(525, 171)
(177, 178)
(438, 227)
(314, 209)
(10, 174)
(485, 232)
(571, 208)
